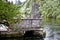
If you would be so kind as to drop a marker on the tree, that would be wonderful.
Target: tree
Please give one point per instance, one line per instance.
(7, 12)
(47, 8)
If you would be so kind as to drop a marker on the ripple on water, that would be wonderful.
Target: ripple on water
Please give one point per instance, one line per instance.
(55, 35)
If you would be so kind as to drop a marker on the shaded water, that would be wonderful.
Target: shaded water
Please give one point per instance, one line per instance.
(52, 28)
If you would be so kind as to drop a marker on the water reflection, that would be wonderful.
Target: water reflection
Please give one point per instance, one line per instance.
(26, 38)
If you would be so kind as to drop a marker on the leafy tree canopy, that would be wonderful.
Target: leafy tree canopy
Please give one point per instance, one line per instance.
(47, 8)
(8, 11)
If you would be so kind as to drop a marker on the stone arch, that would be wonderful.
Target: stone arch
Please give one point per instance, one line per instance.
(29, 33)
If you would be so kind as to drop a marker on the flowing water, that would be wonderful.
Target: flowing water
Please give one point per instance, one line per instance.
(52, 28)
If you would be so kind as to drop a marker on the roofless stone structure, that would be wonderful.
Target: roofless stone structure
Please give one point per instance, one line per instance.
(33, 21)
(34, 12)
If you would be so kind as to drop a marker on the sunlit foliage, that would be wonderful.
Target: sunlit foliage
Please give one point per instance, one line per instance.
(8, 12)
(47, 8)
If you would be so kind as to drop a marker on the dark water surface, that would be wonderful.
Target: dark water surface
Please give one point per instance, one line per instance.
(27, 38)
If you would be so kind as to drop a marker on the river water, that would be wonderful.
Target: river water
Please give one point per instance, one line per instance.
(52, 28)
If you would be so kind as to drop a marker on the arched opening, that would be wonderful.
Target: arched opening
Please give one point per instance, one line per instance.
(33, 34)
(29, 33)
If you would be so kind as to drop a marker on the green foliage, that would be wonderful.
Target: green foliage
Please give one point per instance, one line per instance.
(8, 11)
(47, 8)
(50, 8)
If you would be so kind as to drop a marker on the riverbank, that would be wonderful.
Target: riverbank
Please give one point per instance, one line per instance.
(11, 34)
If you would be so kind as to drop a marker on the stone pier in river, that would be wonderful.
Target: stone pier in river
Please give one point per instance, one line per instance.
(30, 27)
(33, 21)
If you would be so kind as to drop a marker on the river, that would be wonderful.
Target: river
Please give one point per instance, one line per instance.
(52, 28)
